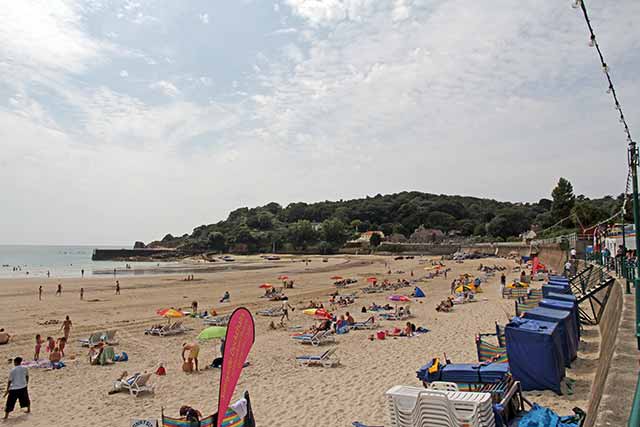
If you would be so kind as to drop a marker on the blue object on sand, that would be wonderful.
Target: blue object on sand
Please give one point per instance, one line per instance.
(418, 293)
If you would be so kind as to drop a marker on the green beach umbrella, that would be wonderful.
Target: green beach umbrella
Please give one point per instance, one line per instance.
(212, 333)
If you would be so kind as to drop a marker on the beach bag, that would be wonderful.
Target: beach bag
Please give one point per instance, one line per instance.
(161, 371)
(381, 335)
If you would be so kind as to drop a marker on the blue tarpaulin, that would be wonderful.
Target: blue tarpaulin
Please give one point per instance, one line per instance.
(418, 293)
(564, 319)
(535, 355)
(540, 416)
(571, 306)
(465, 373)
(562, 297)
(559, 289)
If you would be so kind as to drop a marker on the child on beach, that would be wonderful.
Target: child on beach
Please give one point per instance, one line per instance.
(62, 342)
(51, 344)
(39, 342)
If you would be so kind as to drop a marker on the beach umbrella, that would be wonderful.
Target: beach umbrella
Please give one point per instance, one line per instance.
(399, 298)
(265, 286)
(170, 312)
(212, 333)
(335, 277)
(319, 313)
(372, 279)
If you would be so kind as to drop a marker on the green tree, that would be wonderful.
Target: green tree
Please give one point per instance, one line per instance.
(216, 241)
(302, 234)
(563, 199)
(375, 240)
(334, 232)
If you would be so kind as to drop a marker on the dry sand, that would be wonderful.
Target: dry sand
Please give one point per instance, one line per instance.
(283, 394)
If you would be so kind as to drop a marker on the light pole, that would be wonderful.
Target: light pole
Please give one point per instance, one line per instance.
(633, 165)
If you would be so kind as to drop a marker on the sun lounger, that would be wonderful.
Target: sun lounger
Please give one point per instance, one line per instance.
(93, 339)
(367, 324)
(139, 384)
(325, 359)
(316, 339)
(488, 352)
(167, 330)
(271, 312)
(217, 320)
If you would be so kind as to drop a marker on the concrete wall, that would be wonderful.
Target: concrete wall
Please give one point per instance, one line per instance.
(552, 256)
(615, 380)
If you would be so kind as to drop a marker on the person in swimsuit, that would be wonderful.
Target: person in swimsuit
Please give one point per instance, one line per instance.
(40, 293)
(62, 342)
(59, 291)
(51, 344)
(194, 350)
(66, 327)
(39, 342)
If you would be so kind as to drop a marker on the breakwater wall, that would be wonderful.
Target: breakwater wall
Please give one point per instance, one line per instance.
(119, 254)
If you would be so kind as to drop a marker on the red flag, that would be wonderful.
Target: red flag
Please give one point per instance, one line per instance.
(238, 341)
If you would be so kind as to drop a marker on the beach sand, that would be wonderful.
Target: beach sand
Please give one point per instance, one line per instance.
(282, 393)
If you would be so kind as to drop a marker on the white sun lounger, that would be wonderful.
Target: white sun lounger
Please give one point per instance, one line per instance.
(316, 339)
(367, 324)
(139, 384)
(218, 320)
(325, 359)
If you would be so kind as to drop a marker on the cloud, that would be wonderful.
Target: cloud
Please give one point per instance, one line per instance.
(165, 87)
(204, 18)
(365, 97)
(285, 31)
(46, 34)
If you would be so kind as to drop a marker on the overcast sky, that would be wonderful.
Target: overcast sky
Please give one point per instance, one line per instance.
(124, 120)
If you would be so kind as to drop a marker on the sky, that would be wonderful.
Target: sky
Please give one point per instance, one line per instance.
(124, 120)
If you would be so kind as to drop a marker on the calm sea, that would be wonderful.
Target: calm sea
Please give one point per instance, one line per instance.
(61, 261)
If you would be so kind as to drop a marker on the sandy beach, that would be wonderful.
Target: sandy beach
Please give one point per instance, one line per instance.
(282, 393)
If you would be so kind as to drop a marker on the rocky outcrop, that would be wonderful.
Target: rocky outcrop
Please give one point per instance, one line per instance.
(139, 245)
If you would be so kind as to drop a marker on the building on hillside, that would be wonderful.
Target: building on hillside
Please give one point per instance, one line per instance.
(426, 235)
(366, 236)
(317, 226)
(528, 236)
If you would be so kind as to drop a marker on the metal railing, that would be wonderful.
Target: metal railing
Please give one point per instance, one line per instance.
(570, 238)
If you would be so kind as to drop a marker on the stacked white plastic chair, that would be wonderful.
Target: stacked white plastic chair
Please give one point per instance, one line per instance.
(419, 407)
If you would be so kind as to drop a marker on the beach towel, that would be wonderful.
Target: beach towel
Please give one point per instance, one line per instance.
(231, 419)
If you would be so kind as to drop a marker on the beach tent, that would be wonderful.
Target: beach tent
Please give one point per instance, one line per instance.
(558, 289)
(418, 293)
(570, 306)
(564, 319)
(535, 355)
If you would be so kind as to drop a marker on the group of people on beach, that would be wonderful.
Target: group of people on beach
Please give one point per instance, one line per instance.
(59, 291)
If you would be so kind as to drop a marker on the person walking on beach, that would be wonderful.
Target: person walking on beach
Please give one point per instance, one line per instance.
(503, 283)
(117, 287)
(81, 294)
(82, 273)
(17, 388)
(66, 327)
(48, 274)
(40, 293)
(59, 291)
(114, 272)
(285, 310)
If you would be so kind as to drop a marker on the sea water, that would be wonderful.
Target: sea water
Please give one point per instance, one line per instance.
(63, 261)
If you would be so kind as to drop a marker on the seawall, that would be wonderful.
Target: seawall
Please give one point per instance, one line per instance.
(117, 254)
